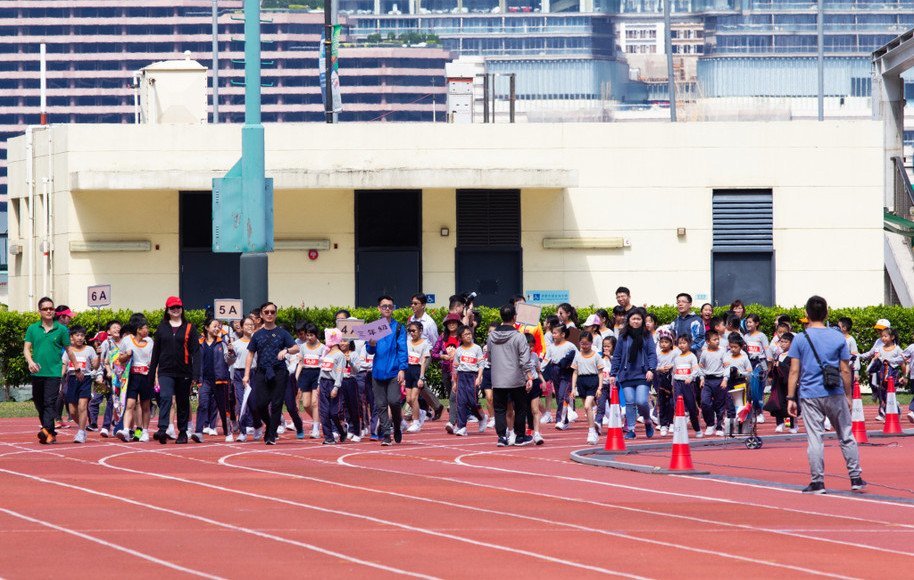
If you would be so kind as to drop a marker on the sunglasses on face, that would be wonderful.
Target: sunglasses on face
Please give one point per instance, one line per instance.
(49, 309)
(268, 312)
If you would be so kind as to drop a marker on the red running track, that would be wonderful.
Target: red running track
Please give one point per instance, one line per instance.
(436, 506)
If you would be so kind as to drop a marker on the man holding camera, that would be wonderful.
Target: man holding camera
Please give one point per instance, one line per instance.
(820, 374)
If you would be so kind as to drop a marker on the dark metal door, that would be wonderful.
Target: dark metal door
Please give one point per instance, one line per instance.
(748, 276)
(388, 242)
(489, 259)
(204, 275)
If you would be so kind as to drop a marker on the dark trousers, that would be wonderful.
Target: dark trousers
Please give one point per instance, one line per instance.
(562, 392)
(291, 405)
(352, 404)
(329, 409)
(714, 402)
(601, 404)
(45, 392)
(212, 396)
(387, 397)
(500, 398)
(664, 407)
(467, 400)
(687, 391)
(268, 397)
(95, 404)
(179, 388)
(369, 416)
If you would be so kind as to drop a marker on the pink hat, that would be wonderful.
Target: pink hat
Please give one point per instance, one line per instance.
(450, 317)
(332, 336)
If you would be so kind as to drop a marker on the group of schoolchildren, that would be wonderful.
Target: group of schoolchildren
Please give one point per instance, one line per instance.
(702, 358)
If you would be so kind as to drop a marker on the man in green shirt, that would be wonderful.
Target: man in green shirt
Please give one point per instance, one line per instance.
(45, 343)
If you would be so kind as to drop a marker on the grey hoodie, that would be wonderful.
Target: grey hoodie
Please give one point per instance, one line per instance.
(509, 357)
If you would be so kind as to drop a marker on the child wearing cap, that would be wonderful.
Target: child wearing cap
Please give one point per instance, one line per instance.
(331, 380)
(79, 390)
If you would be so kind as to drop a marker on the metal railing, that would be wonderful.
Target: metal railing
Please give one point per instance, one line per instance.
(904, 195)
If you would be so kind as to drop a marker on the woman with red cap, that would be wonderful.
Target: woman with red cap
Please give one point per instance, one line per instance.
(176, 343)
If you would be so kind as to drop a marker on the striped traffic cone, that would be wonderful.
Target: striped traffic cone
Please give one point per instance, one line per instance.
(892, 425)
(614, 437)
(681, 459)
(858, 420)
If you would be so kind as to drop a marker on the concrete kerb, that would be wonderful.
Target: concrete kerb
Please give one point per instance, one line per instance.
(602, 458)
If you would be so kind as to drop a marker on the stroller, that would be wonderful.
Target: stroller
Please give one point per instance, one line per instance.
(747, 399)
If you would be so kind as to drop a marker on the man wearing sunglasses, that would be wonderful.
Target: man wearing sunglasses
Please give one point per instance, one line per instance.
(388, 374)
(45, 340)
(270, 345)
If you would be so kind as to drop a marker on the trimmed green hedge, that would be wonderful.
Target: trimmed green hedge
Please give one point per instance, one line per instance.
(13, 325)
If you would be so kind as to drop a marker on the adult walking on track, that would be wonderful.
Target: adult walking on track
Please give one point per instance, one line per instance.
(820, 374)
(174, 346)
(270, 344)
(45, 341)
(388, 374)
(512, 376)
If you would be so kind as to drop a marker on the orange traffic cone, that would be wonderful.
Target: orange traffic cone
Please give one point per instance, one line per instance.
(681, 459)
(892, 425)
(614, 439)
(858, 420)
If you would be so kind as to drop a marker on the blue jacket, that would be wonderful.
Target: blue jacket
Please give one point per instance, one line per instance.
(220, 354)
(646, 360)
(692, 325)
(390, 355)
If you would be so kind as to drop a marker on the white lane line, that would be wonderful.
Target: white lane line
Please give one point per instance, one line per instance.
(460, 461)
(129, 551)
(354, 515)
(216, 523)
(625, 536)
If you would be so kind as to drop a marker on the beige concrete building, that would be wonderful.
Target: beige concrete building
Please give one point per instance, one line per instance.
(762, 211)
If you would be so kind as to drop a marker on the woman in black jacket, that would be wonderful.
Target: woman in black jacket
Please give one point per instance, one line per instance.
(175, 345)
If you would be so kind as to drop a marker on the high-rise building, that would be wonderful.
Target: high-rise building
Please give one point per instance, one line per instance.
(95, 47)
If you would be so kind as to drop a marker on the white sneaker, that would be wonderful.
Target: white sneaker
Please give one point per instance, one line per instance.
(289, 425)
(354, 438)
(654, 416)
(449, 427)
(591, 437)
(699, 434)
(104, 433)
(472, 419)
(512, 437)
(315, 432)
(911, 416)
(709, 430)
(242, 437)
(794, 430)
(123, 435)
(491, 423)
(719, 432)
(197, 437)
(258, 434)
(413, 427)
(663, 431)
(760, 418)
(779, 428)
(144, 438)
(211, 431)
(880, 418)
(80, 437)
(572, 415)
(537, 438)
(484, 423)
(279, 430)
(546, 418)
(640, 419)
(605, 421)
(229, 438)
(462, 432)
(249, 431)
(170, 432)
(561, 426)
